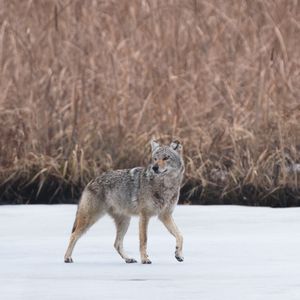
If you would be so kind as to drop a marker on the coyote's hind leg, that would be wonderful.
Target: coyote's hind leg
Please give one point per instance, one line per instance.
(81, 225)
(143, 228)
(88, 213)
(122, 224)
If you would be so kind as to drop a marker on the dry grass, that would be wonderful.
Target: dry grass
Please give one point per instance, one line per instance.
(85, 84)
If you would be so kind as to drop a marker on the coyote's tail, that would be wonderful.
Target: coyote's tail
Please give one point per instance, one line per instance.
(75, 223)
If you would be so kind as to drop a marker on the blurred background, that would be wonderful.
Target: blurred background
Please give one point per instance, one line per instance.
(86, 84)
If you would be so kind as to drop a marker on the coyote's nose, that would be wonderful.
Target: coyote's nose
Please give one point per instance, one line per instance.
(155, 168)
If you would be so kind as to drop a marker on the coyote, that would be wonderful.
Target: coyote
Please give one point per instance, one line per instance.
(147, 192)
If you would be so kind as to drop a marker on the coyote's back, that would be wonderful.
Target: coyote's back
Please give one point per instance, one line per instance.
(149, 191)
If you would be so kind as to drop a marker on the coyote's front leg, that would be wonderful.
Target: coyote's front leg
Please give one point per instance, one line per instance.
(168, 221)
(143, 226)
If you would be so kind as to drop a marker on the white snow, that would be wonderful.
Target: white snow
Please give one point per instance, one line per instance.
(230, 253)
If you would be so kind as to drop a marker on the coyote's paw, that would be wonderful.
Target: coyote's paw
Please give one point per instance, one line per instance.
(178, 255)
(146, 261)
(130, 260)
(179, 258)
(68, 260)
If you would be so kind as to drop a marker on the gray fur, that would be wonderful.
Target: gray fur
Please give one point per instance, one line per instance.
(147, 192)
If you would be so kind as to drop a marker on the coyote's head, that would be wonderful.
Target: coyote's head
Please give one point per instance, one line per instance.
(167, 159)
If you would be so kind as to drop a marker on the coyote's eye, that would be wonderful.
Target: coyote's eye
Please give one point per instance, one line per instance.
(166, 157)
(155, 159)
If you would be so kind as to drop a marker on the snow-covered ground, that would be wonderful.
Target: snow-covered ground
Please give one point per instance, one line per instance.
(230, 253)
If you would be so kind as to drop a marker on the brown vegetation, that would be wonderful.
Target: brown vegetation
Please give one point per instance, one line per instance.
(85, 84)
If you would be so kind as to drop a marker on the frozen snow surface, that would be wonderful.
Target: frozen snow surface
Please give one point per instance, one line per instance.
(230, 252)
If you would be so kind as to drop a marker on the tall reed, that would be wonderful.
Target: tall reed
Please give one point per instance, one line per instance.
(86, 84)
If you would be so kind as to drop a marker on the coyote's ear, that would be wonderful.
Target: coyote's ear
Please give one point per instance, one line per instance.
(154, 145)
(175, 145)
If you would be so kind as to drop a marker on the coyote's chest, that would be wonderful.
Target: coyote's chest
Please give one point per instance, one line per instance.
(165, 195)
(166, 199)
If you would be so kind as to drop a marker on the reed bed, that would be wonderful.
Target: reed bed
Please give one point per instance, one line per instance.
(86, 84)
